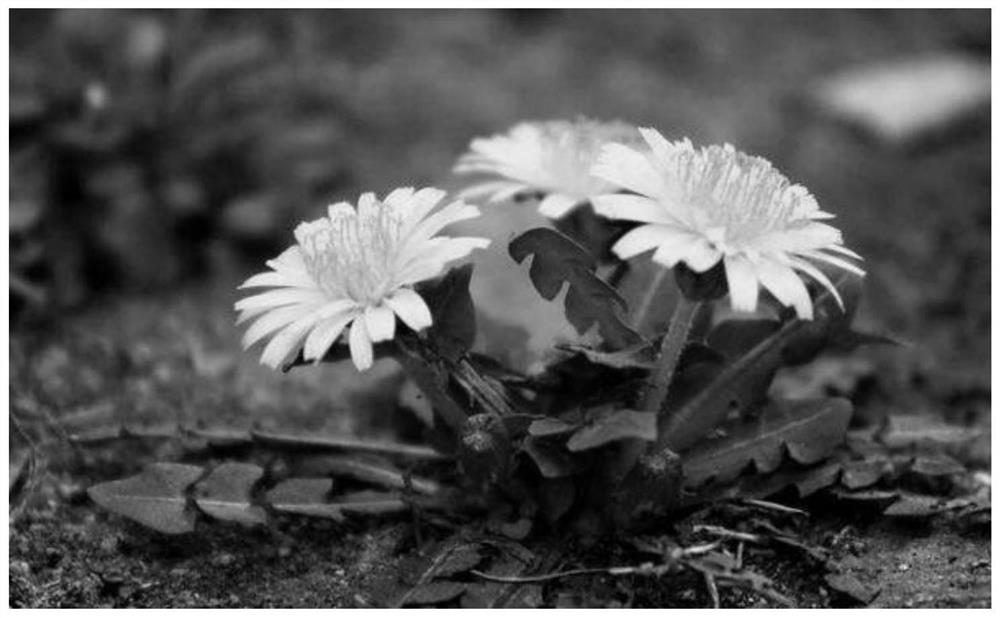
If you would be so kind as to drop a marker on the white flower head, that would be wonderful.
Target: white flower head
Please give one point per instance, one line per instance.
(553, 158)
(703, 205)
(354, 268)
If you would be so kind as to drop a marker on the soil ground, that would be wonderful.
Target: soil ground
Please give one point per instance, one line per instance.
(921, 217)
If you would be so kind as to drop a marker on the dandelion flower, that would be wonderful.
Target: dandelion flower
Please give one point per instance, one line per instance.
(552, 158)
(354, 269)
(703, 205)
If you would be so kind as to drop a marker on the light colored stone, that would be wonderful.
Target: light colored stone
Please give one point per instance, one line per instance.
(904, 100)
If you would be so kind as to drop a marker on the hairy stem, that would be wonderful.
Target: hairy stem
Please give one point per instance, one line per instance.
(670, 353)
(656, 391)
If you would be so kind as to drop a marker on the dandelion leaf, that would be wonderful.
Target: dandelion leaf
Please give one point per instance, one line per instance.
(614, 426)
(807, 430)
(155, 498)
(589, 300)
(226, 494)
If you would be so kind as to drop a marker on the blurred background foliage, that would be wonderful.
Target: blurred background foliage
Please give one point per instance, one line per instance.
(150, 146)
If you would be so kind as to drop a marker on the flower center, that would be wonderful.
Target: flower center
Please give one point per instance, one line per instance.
(354, 256)
(570, 150)
(736, 196)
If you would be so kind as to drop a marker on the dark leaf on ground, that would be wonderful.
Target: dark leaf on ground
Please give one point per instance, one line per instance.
(808, 430)
(155, 498)
(226, 493)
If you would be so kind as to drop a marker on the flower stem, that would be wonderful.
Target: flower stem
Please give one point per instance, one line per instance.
(656, 392)
(433, 381)
(670, 353)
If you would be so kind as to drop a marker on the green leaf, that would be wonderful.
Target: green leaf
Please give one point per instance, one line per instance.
(733, 338)
(368, 470)
(304, 496)
(651, 293)
(589, 300)
(155, 497)
(743, 384)
(448, 298)
(610, 427)
(225, 493)
(639, 356)
(460, 559)
(808, 430)
(308, 496)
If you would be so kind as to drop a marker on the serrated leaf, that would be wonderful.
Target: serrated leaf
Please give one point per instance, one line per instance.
(817, 478)
(304, 496)
(368, 470)
(559, 261)
(610, 427)
(807, 430)
(155, 497)
(743, 383)
(906, 431)
(308, 496)
(448, 298)
(460, 559)
(225, 493)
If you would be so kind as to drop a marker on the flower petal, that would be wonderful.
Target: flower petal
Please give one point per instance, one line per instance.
(496, 191)
(742, 281)
(786, 286)
(555, 205)
(819, 256)
(380, 322)
(629, 169)
(692, 249)
(452, 213)
(324, 335)
(367, 206)
(275, 279)
(274, 320)
(633, 208)
(361, 346)
(644, 238)
(277, 298)
(818, 275)
(434, 257)
(411, 308)
(340, 210)
(286, 343)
